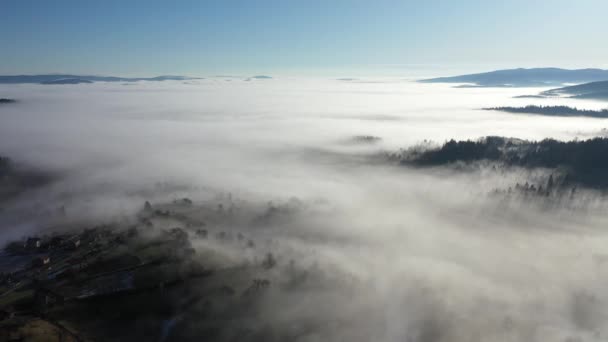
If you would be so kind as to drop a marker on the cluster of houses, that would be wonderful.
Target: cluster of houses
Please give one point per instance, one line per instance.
(40, 257)
(43, 248)
(75, 266)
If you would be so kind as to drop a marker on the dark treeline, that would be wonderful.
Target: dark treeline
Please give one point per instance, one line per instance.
(366, 139)
(551, 187)
(553, 111)
(583, 162)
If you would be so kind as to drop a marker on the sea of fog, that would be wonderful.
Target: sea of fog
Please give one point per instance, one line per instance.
(434, 257)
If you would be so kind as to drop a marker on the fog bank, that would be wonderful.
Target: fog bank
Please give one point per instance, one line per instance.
(409, 254)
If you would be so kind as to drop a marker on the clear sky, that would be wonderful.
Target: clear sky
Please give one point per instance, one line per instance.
(130, 37)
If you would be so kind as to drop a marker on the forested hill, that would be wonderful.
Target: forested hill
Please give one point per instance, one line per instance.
(583, 161)
(593, 90)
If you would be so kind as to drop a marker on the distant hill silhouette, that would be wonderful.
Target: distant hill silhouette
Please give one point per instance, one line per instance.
(258, 77)
(2, 100)
(74, 79)
(553, 111)
(67, 81)
(593, 90)
(525, 77)
(529, 97)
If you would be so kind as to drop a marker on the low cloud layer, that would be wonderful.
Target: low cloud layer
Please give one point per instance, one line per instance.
(418, 255)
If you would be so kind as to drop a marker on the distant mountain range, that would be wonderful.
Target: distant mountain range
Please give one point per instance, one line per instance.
(525, 77)
(76, 79)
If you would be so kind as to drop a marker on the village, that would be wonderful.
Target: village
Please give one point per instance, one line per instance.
(57, 285)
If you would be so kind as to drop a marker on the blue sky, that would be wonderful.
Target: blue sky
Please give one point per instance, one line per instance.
(289, 36)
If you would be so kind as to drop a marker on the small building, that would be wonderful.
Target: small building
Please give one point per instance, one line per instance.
(33, 243)
(73, 244)
(41, 261)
